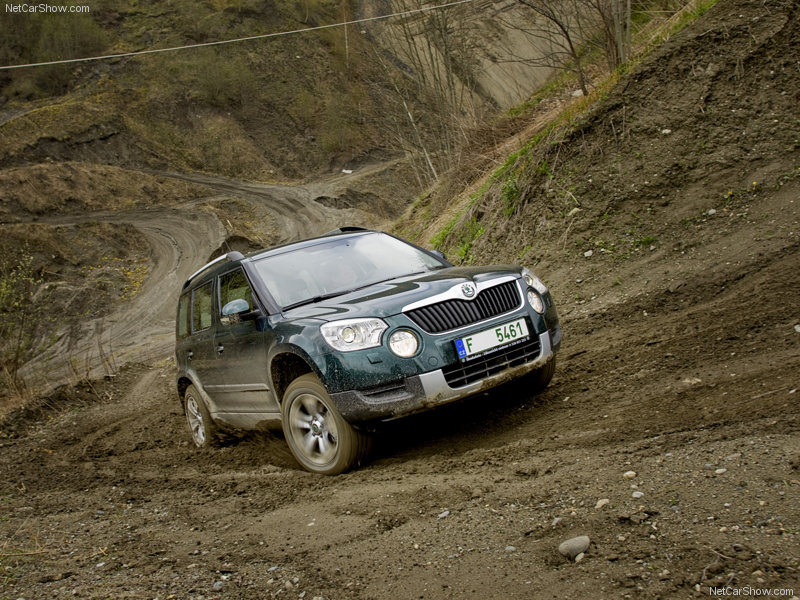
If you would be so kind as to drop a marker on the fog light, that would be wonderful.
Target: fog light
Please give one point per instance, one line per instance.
(403, 343)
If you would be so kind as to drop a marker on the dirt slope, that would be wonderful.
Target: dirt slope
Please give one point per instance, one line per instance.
(669, 435)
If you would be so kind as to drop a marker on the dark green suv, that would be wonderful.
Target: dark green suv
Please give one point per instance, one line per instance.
(330, 335)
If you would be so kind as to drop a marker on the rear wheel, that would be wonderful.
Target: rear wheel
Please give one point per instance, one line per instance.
(201, 426)
(317, 434)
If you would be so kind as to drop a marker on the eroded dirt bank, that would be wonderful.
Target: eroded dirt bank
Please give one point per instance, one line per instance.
(669, 436)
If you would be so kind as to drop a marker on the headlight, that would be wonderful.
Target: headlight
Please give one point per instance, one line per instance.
(403, 343)
(533, 281)
(353, 334)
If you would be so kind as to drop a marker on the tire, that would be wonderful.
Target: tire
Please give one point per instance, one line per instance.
(538, 380)
(317, 434)
(202, 428)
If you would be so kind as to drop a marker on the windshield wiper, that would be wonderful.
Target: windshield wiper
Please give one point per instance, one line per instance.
(319, 298)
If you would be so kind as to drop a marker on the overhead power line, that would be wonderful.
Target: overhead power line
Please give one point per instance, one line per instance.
(236, 40)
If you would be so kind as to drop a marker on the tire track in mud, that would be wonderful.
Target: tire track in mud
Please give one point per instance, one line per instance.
(141, 329)
(294, 208)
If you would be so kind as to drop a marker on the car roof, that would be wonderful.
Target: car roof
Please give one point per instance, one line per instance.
(342, 232)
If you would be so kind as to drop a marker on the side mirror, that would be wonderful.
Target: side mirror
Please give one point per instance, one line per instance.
(439, 254)
(238, 310)
(234, 307)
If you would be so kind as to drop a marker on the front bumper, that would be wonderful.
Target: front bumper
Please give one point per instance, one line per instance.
(428, 390)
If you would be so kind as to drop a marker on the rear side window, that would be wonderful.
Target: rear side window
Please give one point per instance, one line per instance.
(201, 307)
(183, 315)
(234, 286)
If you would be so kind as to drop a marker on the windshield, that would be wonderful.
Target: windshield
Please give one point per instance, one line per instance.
(339, 265)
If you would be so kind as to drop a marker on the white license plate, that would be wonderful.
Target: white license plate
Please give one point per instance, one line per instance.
(488, 339)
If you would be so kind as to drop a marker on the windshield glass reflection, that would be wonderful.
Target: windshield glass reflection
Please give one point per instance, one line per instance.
(339, 265)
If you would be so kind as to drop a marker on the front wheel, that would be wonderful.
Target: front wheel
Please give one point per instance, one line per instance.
(318, 436)
(540, 378)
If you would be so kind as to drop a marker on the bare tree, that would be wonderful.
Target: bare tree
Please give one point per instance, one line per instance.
(616, 18)
(429, 65)
(560, 33)
(563, 31)
(22, 317)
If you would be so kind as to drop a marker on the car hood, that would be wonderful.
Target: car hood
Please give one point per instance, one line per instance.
(389, 297)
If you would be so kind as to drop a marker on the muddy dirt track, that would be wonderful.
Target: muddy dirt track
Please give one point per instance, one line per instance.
(669, 435)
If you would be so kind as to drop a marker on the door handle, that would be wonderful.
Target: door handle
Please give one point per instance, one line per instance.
(220, 348)
(189, 355)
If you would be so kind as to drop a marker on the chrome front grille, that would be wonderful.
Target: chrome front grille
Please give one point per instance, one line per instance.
(455, 313)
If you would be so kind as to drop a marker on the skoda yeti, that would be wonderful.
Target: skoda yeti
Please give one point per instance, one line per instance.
(330, 335)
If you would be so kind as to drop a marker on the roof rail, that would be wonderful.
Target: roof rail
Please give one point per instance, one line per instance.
(345, 229)
(234, 255)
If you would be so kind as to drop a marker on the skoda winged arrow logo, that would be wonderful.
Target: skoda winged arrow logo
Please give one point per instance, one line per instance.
(468, 290)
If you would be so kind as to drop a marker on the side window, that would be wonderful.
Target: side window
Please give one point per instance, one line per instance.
(183, 315)
(234, 286)
(201, 308)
